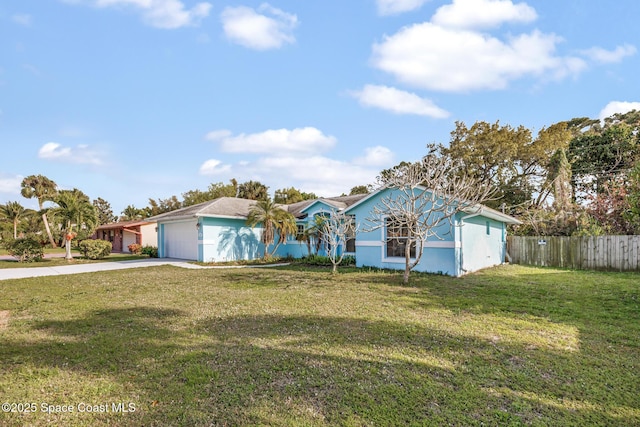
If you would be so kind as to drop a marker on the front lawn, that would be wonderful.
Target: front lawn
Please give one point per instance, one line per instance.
(291, 346)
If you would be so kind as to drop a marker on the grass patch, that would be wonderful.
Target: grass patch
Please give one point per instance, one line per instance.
(507, 346)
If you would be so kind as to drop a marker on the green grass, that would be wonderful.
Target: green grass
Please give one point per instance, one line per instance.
(298, 347)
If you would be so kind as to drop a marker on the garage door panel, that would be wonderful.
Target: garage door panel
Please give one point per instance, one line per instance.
(181, 240)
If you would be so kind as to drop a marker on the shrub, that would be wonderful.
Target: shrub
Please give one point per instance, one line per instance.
(95, 249)
(349, 260)
(26, 249)
(316, 260)
(149, 250)
(135, 248)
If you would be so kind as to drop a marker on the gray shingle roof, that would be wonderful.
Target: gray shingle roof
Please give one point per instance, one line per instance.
(239, 208)
(223, 206)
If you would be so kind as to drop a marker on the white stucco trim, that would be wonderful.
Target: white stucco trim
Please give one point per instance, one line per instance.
(370, 243)
(437, 244)
(443, 245)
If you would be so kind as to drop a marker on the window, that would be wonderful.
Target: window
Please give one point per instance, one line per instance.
(397, 236)
(300, 232)
(350, 244)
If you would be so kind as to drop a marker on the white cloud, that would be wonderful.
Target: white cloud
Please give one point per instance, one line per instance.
(214, 167)
(166, 14)
(398, 101)
(376, 156)
(284, 158)
(216, 135)
(300, 140)
(394, 7)
(23, 19)
(321, 175)
(482, 14)
(10, 184)
(618, 107)
(433, 57)
(81, 154)
(261, 29)
(604, 56)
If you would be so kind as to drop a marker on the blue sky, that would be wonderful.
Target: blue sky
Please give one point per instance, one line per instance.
(135, 99)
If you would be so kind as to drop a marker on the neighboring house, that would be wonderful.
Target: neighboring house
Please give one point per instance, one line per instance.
(217, 231)
(122, 234)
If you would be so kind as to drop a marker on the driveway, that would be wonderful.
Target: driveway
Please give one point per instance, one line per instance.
(20, 273)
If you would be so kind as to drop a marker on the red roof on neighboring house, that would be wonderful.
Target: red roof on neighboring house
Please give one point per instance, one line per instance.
(123, 224)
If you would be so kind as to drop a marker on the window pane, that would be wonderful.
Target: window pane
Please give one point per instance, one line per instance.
(350, 245)
(396, 246)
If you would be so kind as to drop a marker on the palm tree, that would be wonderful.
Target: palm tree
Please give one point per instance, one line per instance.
(43, 189)
(75, 210)
(14, 212)
(131, 213)
(253, 190)
(274, 220)
(313, 234)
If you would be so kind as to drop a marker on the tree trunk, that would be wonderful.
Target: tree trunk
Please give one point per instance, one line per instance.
(335, 268)
(67, 245)
(407, 263)
(15, 229)
(46, 226)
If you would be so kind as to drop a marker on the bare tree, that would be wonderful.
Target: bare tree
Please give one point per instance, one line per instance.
(337, 228)
(425, 197)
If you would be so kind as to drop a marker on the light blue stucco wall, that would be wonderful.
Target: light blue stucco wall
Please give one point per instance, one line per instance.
(461, 249)
(297, 249)
(226, 239)
(161, 250)
(458, 249)
(483, 243)
(439, 256)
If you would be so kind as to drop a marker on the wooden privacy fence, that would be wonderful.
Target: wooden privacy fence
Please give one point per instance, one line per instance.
(621, 253)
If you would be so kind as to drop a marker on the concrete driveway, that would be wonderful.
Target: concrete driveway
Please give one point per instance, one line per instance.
(21, 272)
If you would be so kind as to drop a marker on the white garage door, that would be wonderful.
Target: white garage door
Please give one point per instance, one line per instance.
(181, 240)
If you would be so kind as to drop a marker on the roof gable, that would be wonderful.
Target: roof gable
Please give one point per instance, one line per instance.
(478, 209)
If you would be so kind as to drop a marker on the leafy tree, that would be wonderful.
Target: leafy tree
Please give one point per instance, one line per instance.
(43, 189)
(633, 197)
(274, 220)
(193, 197)
(308, 196)
(253, 190)
(424, 196)
(559, 180)
(75, 210)
(610, 208)
(291, 195)
(131, 213)
(287, 196)
(597, 157)
(163, 205)
(14, 212)
(360, 189)
(215, 191)
(223, 190)
(496, 155)
(105, 213)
